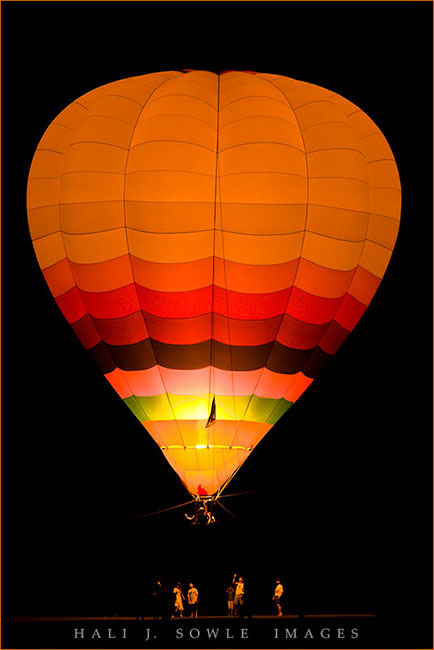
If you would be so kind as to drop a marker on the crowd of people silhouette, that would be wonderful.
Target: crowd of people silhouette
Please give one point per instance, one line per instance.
(171, 602)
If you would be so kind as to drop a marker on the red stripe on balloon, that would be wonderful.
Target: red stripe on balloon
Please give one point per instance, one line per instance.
(112, 304)
(311, 309)
(182, 304)
(179, 331)
(188, 304)
(250, 306)
(71, 305)
(124, 303)
(350, 312)
(137, 327)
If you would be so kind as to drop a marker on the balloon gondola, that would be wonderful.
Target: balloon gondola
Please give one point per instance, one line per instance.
(203, 511)
(212, 239)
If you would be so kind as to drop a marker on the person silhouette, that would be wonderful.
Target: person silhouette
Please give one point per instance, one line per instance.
(178, 598)
(239, 596)
(193, 599)
(230, 591)
(278, 591)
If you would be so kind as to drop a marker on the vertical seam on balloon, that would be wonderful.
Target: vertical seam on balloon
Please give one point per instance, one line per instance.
(128, 246)
(225, 287)
(211, 352)
(301, 247)
(218, 192)
(228, 325)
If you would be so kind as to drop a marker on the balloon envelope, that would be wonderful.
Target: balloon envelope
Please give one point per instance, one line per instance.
(212, 240)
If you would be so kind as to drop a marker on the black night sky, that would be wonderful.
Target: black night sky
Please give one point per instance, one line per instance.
(340, 489)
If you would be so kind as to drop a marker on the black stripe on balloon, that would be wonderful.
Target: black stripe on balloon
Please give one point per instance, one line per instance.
(274, 356)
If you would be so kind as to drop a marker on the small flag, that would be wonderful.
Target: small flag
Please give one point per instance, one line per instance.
(212, 415)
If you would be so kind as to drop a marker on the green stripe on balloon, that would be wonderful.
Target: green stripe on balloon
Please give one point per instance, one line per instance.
(196, 407)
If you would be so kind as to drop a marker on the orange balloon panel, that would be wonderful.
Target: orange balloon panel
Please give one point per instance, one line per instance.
(212, 239)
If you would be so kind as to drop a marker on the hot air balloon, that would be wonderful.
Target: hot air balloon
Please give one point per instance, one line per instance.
(212, 239)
